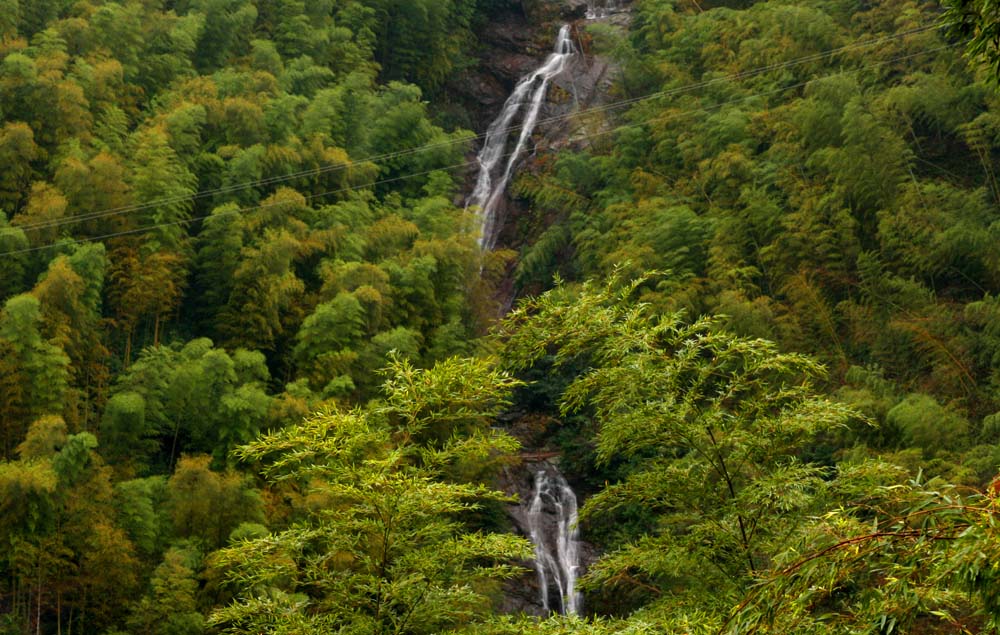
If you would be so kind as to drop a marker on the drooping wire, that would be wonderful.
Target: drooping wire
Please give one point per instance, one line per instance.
(658, 119)
(346, 165)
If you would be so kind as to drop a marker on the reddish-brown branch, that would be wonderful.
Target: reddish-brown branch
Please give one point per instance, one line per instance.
(948, 534)
(624, 576)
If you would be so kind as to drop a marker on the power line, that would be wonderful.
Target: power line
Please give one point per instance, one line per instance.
(216, 214)
(337, 167)
(662, 118)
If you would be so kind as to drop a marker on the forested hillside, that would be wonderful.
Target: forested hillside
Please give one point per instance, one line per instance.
(196, 248)
(199, 171)
(822, 174)
(253, 377)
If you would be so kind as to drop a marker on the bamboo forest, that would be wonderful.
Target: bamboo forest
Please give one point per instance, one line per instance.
(499, 317)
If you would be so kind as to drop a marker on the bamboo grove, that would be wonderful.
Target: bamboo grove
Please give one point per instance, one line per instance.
(256, 376)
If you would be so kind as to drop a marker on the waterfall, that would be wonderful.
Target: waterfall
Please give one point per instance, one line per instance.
(552, 520)
(529, 94)
(602, 8)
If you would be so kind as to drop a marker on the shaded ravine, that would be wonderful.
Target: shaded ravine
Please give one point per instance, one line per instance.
(548, 510)
(532, 120)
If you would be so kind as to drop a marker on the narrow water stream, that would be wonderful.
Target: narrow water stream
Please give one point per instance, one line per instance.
(552, 522)
(597, 9)
(496, 162)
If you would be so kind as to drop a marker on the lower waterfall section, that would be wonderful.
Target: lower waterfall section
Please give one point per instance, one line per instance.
(552, 524)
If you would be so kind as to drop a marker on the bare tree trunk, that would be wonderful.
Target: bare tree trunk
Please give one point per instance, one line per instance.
(128, 347)
(38, 600)
(173, 445)
(83, 609)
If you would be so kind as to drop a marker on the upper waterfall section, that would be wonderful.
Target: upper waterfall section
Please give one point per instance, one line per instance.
(597, 9)
(498, 158)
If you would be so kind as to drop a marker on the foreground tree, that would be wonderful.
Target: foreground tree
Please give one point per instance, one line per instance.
(706, 431)
(977, 22)
(728, 521)
(917, 557)
(384, 547)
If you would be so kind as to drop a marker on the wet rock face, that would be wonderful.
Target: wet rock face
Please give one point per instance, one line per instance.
(515, 40)
(586, 84)
(498, 158)
(544, 10)
(505, 50)
(511, 44)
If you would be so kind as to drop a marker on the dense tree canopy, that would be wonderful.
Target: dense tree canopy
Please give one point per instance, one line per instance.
(247, 377)
(197, 251)
(840, 204)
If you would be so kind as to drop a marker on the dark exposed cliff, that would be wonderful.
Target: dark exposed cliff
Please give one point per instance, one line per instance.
(513, 40)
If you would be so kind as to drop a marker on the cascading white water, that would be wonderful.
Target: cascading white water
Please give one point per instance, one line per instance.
(597, 9)
(552, 519)
(529, 92)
